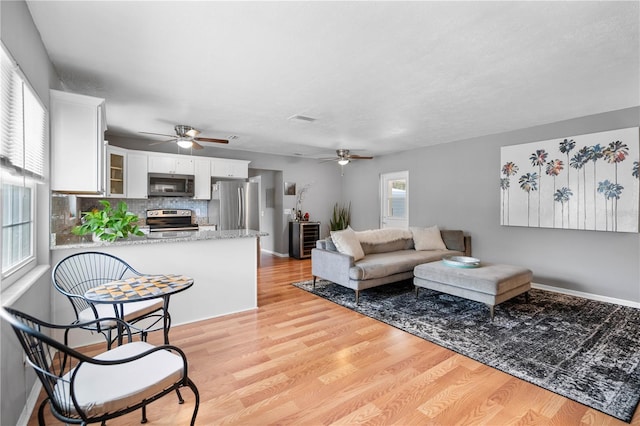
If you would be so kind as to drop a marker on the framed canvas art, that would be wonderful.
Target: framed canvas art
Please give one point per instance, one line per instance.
(586, 182)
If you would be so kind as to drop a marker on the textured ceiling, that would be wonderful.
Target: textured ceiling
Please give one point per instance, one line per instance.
(379, 77)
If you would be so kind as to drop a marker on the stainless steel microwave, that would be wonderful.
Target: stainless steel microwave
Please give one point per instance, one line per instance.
(168, 185)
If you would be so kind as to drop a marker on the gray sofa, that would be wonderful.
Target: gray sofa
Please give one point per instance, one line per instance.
(383, 263)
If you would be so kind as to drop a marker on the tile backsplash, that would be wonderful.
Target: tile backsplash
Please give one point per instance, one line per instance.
(66, 209)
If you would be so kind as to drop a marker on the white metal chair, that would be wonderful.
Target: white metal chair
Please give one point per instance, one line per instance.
(79, 272)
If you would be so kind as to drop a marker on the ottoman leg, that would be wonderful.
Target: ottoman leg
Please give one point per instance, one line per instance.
(526, 297)
(491, 311)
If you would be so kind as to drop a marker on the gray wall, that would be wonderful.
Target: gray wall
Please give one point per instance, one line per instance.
(21, 38)
(456, 186)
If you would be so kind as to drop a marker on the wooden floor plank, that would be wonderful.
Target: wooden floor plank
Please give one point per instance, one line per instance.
(301, 360)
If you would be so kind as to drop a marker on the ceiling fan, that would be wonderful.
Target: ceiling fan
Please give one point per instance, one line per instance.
(344, 157)
(186, 137)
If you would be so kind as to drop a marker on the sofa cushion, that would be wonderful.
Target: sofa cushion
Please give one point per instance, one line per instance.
(371, 248)
(428, 238)
(380, 265)
(347, 242)
(376, 236)
(454, 240)
(385, 240)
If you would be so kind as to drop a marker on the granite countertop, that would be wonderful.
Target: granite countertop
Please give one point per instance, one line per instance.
(73, 241)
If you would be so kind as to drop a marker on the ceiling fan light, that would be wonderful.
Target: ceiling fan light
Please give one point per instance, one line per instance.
(192, 133)
(185, 143)
(343, 161)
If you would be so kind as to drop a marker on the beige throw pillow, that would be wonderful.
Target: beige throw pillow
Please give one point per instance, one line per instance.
(347, 242)
(428, 238)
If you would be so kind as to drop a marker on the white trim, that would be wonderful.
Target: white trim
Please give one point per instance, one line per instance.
(30, 405)
(17, 289)
(275, 253)
(590, 296)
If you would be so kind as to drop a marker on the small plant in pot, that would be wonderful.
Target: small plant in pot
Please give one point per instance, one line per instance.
(341, 217)
(109, 224)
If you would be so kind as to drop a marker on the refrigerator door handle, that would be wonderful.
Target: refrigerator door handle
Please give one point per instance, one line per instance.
(240, 207)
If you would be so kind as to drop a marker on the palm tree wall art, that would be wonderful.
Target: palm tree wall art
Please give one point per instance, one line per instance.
(603, 194)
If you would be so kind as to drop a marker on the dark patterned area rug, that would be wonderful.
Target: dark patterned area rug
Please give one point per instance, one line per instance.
(582, 349)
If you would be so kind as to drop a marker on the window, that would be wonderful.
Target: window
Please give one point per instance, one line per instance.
(17, 226)
(394, 196)
(23, 124)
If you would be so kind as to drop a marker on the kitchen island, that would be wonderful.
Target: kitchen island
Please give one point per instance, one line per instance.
(223, 265)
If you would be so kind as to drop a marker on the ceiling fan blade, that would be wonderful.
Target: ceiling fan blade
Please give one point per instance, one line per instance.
(196, 145)
(359, 157)
(160, 142)
(326, 160)
(158, 134)
(211, 140)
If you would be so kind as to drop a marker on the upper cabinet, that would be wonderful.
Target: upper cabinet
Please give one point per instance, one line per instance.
(137, 166)
(222, 167)
(172, 164)
(78, 124)
(202, 185)
(116, 172)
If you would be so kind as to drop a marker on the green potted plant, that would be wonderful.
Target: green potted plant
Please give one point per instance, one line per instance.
(109, 224)
(341, 217)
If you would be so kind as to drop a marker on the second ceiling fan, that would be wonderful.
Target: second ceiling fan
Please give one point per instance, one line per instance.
(186, 137)
(344, 157)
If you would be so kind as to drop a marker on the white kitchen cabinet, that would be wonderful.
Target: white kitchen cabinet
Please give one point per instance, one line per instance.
(172, 164)
(223, 167)
(78, 124)
(137, 167)
(202, 184)
(116, 172)
(184, 165)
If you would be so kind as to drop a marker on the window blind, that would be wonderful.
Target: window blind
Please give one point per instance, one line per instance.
(23, 123)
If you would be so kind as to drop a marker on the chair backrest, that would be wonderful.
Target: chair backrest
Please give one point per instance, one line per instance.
(77, 273)
(50, 359)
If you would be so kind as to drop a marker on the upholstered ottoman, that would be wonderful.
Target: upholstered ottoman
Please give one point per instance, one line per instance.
(489, 283)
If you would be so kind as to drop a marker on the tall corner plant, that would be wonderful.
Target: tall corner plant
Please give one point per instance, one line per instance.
(341, 217)
(109, 224)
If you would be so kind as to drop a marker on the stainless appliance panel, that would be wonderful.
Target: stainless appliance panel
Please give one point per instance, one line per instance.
(234, 205)
(160, 220)
(170, 185)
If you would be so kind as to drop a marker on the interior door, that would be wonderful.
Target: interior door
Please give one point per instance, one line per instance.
(394, 196)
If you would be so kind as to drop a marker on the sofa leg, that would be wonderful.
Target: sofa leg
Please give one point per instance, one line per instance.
(314, 282)
(526, 297)
(357, 296)
(491, 311)
(417, 288)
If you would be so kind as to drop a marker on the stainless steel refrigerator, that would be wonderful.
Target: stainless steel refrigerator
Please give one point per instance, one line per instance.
(234, 205)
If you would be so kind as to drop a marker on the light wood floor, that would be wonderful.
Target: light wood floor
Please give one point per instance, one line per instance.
(301, 360)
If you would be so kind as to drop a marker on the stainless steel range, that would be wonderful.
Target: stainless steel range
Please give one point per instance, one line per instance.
(165, 223)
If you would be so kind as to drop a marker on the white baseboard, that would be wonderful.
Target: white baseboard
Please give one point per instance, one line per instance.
(275, 253)
(30, 404)
(590, 296)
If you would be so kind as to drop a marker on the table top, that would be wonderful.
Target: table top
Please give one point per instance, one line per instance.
(138, 288)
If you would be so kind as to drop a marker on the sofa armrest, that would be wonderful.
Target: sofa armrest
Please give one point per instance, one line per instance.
(331, 265)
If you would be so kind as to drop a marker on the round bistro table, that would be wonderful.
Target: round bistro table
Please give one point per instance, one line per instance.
(139, 288)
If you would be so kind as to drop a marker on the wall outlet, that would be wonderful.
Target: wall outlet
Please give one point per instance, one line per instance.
(197, 212)
(287, 211)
